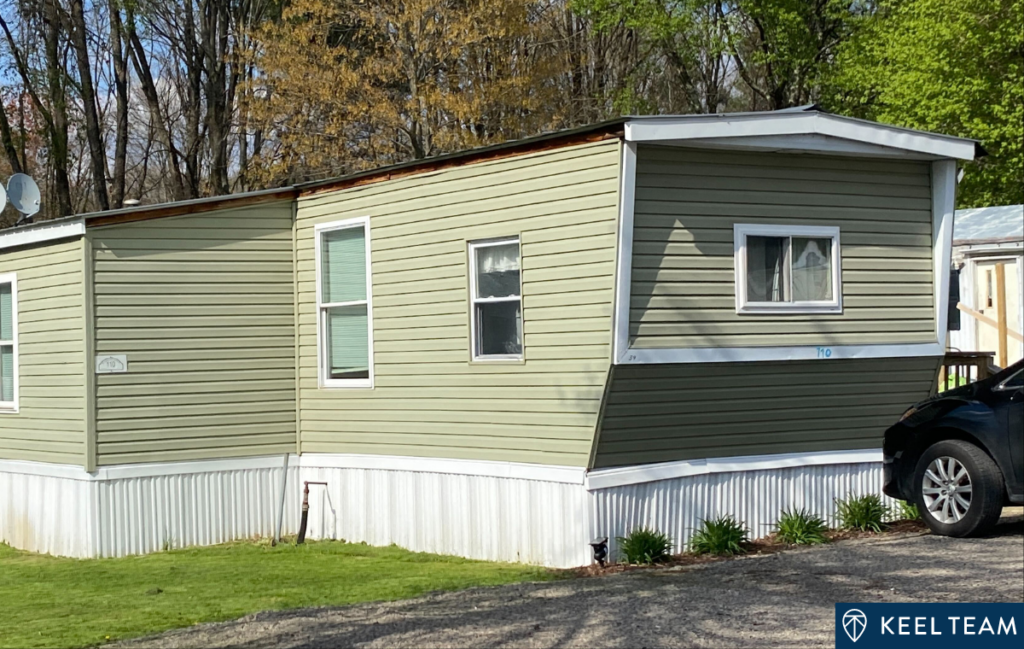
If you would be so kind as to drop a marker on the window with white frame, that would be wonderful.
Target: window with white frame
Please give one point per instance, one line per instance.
(344, 304)
(496, 297)
(8, 342)
(787, 269)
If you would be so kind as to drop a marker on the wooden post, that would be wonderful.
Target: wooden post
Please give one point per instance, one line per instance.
(1001, 312)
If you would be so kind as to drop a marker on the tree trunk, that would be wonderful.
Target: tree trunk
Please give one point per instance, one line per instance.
(120, 62)
(58, 108)
(156, 118)
(97, 155)
(8, 142)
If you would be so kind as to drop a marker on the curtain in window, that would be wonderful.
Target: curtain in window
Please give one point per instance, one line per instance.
(812, 270)
(343, 256)
(767, 270)
(497, 270)
(6, 343)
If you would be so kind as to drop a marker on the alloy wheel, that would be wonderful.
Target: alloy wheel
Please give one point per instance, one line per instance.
(947, 489)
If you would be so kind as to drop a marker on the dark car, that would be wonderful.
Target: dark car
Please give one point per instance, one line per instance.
(959, 456)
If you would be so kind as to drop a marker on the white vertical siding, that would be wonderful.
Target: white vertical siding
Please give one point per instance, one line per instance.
(754, 498)
(45, 511)
(66, 512)
(138, 515)
(479, 517)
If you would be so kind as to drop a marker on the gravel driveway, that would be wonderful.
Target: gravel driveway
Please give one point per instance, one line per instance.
(779, 600)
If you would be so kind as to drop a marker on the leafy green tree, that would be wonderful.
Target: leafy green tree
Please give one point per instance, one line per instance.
(950, 66)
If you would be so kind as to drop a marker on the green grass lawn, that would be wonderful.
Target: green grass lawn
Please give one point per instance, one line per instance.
(53, 602)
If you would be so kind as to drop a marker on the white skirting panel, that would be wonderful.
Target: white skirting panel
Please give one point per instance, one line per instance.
(137, 509)
(142, 514)
(46, 513)
(755, 497)
(490, 517)
(481, 510)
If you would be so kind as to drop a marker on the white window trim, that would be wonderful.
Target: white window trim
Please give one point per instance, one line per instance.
(323, 375)
(743, 230)
(474, 300)
(11, 407)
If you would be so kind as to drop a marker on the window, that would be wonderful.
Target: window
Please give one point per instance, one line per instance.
(787, 269)
(496, 296)
(344, 304)
(8, 343)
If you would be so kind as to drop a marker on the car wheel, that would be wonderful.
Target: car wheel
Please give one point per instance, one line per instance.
(958, 489)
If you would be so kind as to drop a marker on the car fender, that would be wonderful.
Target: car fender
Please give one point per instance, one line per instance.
(972, 421)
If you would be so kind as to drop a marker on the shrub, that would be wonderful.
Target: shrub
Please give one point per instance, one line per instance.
(801, 528)
(864, 513)
(904, 511)
(721, 536)
(644, 545)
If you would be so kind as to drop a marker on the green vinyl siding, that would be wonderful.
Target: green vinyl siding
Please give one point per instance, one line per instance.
(429, 399)
(203, 307)
(661, 413)
(49, 425)
(683, 278)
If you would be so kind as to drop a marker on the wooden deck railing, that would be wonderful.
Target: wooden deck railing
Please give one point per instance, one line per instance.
(961, 368)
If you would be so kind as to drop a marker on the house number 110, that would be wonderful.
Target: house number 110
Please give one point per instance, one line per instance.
(824, 352)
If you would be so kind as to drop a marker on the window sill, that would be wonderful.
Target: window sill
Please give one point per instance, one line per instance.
(789, 309)
(360, 384)
(498, 359)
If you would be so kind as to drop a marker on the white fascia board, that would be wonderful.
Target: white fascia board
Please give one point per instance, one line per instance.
(451, 466)
(943, 208)
(42, 232)
(634, 356)
(630, 475)
(725, 129)
(624, 252)
(807, 143)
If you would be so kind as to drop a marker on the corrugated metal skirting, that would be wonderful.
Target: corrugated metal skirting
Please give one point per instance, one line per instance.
(46, 513)
(152, 513)
(479, 517)
(755, 498)
(80, 517)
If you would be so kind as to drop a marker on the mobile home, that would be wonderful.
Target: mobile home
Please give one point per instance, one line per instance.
(498, 354)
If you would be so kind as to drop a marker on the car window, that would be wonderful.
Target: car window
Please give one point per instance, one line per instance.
(1015, 381)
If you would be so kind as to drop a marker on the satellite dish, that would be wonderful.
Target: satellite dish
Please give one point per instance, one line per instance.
(3, 198)
(24, 194)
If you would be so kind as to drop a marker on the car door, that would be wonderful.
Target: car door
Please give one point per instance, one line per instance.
(1009, 408)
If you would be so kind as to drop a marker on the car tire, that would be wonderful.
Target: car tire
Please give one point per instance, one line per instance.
(985, 502)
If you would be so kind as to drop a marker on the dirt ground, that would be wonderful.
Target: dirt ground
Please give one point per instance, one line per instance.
(777, 600)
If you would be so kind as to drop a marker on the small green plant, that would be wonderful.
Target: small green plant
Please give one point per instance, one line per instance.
(801, 528)
(904, 511)
(645, 546)
(864, 513)
(721, 536)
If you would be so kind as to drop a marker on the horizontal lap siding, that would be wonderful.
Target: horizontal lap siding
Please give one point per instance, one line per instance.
(661, 413)
(50, 423)
(203, 306)
(428, 399)
(683, 278)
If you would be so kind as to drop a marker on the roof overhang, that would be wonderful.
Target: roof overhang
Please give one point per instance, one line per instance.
(46, 231)
(799, 131)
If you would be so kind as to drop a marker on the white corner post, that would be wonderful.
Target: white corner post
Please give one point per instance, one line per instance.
(624, 268)
(943, 205)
